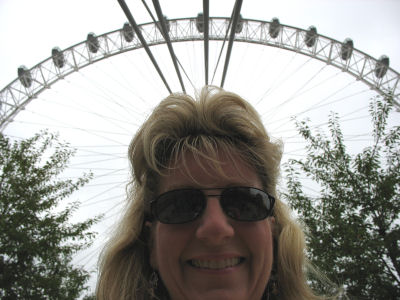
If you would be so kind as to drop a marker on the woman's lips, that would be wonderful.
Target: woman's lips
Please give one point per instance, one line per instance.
(216, 264)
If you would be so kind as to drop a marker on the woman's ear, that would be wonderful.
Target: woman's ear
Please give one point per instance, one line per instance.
(150, 226)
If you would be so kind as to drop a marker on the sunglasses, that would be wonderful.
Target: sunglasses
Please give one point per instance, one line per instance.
(246, 204)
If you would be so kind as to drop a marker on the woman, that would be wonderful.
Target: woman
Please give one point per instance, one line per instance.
(203, 220)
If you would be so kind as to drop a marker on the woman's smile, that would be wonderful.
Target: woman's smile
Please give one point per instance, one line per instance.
(216, 263)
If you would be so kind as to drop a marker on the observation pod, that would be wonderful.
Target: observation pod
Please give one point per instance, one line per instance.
(166, 22)
(381, 66)
(127, 32)
(200, 22)
(239, 25)
(311, 36)
(58, 57)
(347, 49)
(25, 76)
(92, 42)
(274, 28)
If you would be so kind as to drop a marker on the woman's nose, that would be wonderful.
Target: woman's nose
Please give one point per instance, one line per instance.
(214, 227)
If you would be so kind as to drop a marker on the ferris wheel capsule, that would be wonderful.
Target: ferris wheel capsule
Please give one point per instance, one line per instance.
(239, 25)
(92, 42)
(347, 49)
(382, 66)
(166, 22)
(58, 57)
(127, 32)
(200, 22)
(25, 76)
(274, 28)
(311, 36)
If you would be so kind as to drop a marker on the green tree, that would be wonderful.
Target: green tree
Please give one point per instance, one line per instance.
(37, 241)
(353, 225)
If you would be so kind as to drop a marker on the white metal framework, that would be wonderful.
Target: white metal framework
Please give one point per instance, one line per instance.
(374, 72)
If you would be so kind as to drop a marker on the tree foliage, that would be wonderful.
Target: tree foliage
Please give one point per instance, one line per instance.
(354, 224)
(37, 240)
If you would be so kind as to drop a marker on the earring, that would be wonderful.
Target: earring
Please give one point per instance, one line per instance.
(271, 290)
(273, 286)
(154, 280)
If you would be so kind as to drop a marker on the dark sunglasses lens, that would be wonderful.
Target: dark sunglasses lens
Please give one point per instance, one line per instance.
(246, 203)
(179, 206)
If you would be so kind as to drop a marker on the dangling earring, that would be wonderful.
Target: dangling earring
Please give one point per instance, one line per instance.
(153, 280)
(272, 287)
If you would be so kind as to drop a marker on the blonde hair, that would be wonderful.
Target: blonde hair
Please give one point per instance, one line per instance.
(217, 121)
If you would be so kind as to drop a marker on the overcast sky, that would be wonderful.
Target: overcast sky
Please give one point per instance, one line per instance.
(30, 29)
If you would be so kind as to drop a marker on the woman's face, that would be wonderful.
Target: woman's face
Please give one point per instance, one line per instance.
(213, 257)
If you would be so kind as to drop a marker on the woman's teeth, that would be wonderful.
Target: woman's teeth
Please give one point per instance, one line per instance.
(215, 264)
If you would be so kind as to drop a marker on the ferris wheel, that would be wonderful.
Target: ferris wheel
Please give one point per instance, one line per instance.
(98, 92)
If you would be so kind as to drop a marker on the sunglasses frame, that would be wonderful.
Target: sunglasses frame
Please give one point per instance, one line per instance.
(155, 216)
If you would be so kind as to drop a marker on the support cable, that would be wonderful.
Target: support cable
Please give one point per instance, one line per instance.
(143, 41)
(206, 16)
(223, 45)
(155, 22)
(160, 16)
(238, 6)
